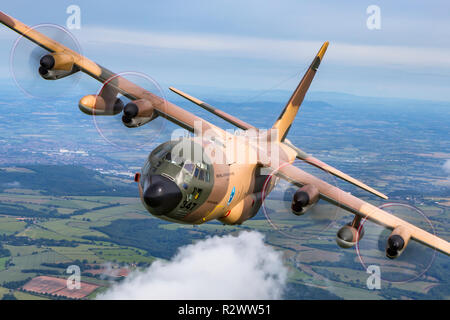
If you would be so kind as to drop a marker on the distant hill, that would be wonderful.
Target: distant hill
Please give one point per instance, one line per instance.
(62, 180)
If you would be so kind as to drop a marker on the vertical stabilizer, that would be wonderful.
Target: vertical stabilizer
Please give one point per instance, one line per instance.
(289, 112)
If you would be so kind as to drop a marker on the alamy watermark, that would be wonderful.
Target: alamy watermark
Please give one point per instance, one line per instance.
(212, 145)
(374, 19)
(73, 281)
(74, 19)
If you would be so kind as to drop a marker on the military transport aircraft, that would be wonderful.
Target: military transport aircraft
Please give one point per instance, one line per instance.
(213, 174)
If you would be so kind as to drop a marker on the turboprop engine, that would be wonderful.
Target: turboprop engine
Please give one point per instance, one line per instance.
(397, 242)
(56, 66)
(304, 199)
(138, 112)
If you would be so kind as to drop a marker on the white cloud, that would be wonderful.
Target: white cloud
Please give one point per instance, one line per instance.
(269, 48)
(228, 267)
(447, 166)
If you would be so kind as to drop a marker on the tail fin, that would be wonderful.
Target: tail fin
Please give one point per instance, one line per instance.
(289, 112)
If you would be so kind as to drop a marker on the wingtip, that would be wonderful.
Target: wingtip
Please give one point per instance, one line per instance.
(383, 196)
(323, 49)
(375, 192)
(179, 92)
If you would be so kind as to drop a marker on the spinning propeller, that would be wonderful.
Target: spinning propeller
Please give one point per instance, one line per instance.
(298, 213)
(46, 75)
(123, 122)
(32, 66)
(379, 244)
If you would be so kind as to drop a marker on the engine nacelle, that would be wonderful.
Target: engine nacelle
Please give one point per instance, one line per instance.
(397, 242)
(95, 105)
(138, 112)
(56, 66)
(304, 198)
(348, 236)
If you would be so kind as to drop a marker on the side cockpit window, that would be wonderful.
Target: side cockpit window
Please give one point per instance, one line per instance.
(189, 167)
(168, 155)
(198, 170)
(201, 175)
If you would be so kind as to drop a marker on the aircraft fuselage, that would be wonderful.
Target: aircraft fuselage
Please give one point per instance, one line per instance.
(180, 182)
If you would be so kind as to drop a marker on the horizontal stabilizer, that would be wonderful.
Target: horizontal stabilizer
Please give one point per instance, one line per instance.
(327, 168)
(225, 116)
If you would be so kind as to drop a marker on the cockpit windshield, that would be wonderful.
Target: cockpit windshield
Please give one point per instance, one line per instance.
(199, 171)
(169, 153)
(189, 167)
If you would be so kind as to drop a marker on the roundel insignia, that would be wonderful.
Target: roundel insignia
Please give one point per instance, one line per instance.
(233, 191)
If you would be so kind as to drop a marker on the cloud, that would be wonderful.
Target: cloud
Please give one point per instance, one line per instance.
(15, 184)
(228, 267)
(270, 48)
(447, 166)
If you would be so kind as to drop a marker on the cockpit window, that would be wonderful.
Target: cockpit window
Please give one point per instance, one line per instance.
(160, 153)
(179, 161)
(189, 167)
(201, 175)
(199, 171)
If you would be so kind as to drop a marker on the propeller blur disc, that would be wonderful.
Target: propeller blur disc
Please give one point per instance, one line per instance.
(315, 223)
(412, 263)
(112, 128)
(25, 63)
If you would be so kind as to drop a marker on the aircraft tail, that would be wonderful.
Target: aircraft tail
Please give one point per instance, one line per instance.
(289, 112)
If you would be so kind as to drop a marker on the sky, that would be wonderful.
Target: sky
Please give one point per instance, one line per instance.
(221, 46)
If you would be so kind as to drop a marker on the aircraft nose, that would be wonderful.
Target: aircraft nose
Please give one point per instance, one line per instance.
(162, 195)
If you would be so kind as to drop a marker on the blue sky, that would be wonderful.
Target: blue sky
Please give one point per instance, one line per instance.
(257, 45)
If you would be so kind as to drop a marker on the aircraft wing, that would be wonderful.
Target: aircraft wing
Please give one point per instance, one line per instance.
(359, 207)
(132, 91)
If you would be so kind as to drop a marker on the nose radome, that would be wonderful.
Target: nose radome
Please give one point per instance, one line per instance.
(162, 195)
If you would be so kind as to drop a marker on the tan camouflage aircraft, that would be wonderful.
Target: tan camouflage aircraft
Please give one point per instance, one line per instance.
(214, 174)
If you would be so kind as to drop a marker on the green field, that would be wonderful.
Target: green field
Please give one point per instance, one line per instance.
(95, 229)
